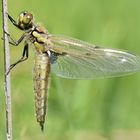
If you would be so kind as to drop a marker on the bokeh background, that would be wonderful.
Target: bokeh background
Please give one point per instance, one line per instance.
(105, 109)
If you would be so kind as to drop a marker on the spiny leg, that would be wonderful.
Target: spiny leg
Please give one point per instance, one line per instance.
(13, 42)
(23, 58)
(13, 21)
(16, 43)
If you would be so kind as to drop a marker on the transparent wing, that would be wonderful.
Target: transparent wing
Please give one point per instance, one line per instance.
(81, 60)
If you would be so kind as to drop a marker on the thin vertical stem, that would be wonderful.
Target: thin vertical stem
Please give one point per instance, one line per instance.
(7, 76)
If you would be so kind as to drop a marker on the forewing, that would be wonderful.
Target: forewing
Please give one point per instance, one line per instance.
(81, 60)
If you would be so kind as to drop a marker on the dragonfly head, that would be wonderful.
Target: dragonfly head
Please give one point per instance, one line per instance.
(25, 20)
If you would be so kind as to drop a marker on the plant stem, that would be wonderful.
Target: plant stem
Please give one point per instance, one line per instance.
(7, 76)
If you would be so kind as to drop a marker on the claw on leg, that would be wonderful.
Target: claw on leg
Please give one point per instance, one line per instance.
(6, 33)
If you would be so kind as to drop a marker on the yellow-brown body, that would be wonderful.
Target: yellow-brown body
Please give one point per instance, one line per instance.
(41, 74)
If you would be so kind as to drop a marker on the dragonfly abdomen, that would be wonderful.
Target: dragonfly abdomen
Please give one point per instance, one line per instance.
(41, 75)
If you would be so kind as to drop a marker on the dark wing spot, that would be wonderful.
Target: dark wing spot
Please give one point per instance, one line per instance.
(54, 56)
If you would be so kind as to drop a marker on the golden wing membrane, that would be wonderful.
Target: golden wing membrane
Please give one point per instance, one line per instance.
(81, 60)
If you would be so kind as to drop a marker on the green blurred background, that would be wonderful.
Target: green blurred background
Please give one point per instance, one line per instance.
(105, 109)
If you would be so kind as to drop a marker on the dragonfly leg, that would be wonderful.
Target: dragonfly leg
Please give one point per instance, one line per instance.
(16, 43)
(13, 42)
(13, 21)
(23, 58)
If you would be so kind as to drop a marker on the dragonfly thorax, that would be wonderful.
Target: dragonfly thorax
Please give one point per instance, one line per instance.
(38, 35)
(25, 21)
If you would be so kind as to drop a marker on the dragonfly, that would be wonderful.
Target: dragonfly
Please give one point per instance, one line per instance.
(67, 57)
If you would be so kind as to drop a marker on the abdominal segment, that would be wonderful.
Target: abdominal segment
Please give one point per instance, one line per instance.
(41, 75)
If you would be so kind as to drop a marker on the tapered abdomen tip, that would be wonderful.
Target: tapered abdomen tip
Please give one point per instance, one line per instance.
(42, 126)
